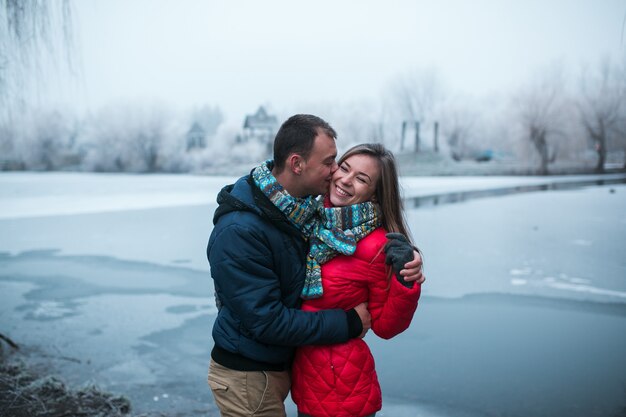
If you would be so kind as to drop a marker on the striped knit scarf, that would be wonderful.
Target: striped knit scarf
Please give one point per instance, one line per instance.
(337, 232)
(299, 211)
(330, 230)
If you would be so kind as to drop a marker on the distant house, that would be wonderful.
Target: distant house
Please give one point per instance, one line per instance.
(196, 137)
(260, 127)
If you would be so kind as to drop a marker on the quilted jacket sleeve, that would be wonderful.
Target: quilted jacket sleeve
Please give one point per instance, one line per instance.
(391, 304)
(247, 286)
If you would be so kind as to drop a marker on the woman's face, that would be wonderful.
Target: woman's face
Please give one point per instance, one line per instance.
(355, 181)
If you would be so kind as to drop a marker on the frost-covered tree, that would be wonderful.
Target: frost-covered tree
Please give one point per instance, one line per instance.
(47, 140)
(358, 121)
(540, 108)
(131, 137)
(355, 121)
(209, 118)
(415, 97)
(459, 122)
(602, 108)
(40, 140)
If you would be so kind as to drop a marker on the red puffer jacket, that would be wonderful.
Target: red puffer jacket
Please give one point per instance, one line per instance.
(340, 380)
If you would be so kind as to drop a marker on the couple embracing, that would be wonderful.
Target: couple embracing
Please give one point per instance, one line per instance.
(300, 279)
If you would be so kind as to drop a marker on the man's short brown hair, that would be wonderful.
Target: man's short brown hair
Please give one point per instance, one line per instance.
(297, 135)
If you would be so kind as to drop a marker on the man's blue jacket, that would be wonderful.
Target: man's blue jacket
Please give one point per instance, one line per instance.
(257, 260)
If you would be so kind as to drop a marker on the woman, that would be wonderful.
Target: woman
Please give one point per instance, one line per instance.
(362, 205)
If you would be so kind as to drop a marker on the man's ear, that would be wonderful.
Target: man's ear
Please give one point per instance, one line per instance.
(295, 163)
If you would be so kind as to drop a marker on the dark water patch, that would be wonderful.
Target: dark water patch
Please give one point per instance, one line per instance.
(62, 289)
(65, 288)
(462, 196)
(183, 309)
(192, 338)
(522, 300)
(48, 253)
(53, 287)
(181, 261)
(37, 253)
(63, 277)
(508, 355)
(145, 348)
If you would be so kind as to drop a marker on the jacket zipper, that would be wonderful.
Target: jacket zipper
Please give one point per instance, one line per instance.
(332, 368)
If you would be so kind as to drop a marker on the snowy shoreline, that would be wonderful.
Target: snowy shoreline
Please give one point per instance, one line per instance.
(31, 194)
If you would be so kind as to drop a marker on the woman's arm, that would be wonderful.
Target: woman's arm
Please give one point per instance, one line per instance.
(391, 303)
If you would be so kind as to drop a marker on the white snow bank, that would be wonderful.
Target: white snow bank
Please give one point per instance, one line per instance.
(52, 194)
(31, 194)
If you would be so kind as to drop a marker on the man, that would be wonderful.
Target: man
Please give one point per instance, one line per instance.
(257, 254)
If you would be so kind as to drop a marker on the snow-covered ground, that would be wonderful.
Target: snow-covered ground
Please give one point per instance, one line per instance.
(523, 313)
(51, 194)
(54, 194)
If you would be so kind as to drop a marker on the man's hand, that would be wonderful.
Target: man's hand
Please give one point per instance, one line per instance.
(398, 249)
(412, 271)
(366, 318)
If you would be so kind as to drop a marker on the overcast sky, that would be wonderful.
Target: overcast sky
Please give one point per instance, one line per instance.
(239, 54)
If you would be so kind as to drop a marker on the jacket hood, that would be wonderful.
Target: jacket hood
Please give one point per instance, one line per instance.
(244, 195)
(234, 197)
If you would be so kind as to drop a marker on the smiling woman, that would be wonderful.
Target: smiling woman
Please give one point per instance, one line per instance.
(346, 266)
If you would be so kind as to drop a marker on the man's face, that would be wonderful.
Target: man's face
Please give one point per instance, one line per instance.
(319, 168)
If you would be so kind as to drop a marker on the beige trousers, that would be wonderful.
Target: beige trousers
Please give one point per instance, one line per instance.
(250, 394)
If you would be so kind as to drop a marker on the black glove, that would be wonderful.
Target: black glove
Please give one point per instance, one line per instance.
(398, 251)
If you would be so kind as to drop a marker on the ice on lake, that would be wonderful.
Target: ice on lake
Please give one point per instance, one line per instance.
(523, 311)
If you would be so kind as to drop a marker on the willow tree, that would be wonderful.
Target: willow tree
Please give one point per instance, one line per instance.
(35, 37)
(541, 110)
(602, 108)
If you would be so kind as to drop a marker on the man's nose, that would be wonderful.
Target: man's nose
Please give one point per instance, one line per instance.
(334, 168)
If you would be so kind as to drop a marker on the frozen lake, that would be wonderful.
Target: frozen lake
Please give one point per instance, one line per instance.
(523, 312)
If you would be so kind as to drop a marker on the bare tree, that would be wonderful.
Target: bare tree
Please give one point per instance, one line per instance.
(540, 109)
(601, 105)
(621, 136)
(416, 95)
(458, 123)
